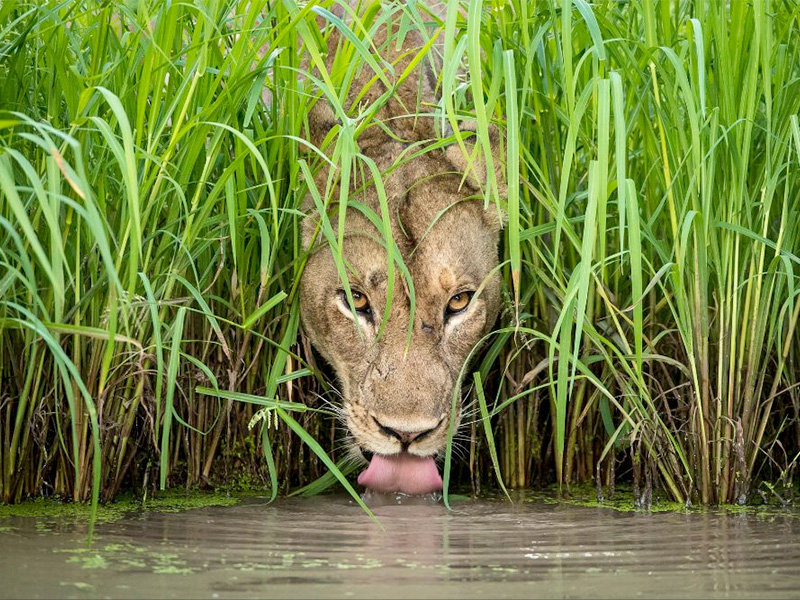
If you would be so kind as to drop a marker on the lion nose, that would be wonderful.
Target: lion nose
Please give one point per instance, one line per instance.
(405, 437)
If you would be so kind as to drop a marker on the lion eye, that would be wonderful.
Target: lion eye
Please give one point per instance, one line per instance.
(458, 303)
(360, 304)
(360, 301)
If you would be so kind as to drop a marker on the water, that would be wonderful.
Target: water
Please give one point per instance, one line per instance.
(326, 547)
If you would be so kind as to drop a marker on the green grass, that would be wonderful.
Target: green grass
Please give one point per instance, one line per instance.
(153, 164)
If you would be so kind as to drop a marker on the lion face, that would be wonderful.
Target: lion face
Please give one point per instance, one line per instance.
(397, 396)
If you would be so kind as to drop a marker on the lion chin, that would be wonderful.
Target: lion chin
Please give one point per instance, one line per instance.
(398, 342)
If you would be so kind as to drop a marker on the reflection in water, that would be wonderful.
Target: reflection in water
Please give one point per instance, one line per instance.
(328, 547)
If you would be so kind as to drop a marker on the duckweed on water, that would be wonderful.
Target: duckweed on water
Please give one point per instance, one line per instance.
(171, 501)
(127, 556)
(623, 501)
(90, 561)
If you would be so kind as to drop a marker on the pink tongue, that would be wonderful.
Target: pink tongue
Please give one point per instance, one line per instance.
(401, 473)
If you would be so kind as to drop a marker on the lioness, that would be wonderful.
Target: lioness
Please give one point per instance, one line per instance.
(397, 400)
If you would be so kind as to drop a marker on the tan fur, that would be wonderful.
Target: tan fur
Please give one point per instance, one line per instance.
(382, 383)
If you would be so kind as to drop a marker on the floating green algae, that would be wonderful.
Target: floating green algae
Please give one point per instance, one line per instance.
(170, 501)
(127, 556)
(623, 500)
(89, 561)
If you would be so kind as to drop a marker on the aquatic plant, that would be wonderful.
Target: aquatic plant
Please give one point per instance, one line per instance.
(152, 170)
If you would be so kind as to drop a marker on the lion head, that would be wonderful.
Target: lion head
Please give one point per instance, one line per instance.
(398, 368)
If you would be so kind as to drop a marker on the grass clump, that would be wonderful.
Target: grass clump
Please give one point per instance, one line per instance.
(151, 185)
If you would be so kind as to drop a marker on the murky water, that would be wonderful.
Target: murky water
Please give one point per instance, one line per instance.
(326, 547)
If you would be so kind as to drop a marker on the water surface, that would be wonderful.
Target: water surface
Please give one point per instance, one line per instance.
(327, 547)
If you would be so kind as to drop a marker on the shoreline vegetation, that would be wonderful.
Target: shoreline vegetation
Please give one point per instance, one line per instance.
(176, 500)
(152, 171)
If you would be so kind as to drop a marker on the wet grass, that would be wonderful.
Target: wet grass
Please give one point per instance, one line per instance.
(152, 171)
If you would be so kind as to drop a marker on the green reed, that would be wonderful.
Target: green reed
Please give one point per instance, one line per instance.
(153, 166)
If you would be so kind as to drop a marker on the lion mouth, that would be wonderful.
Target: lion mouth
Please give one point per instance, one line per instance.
(401, 472)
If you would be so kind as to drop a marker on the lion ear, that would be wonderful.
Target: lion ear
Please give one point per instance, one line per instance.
(474, 163)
